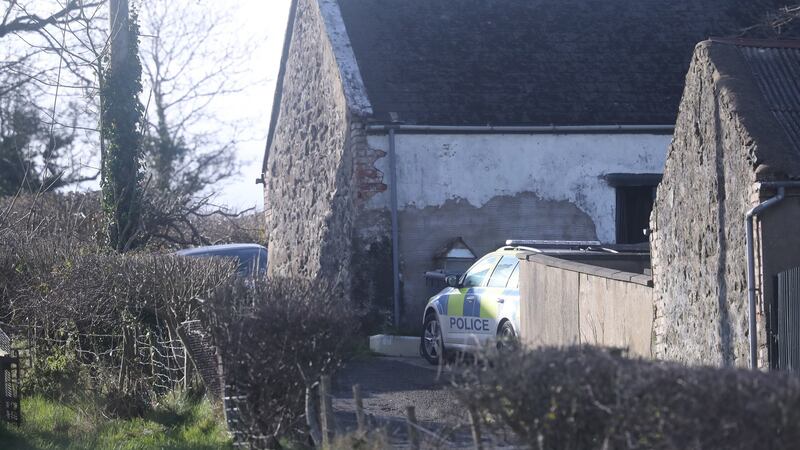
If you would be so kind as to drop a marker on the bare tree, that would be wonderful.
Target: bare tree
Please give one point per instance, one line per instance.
(19, 17)
(51, 55)
(121, 126)
(34, 158)
(783, 23)
(187, 66)
(43, 49)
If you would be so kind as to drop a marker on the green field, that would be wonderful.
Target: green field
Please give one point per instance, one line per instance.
(178, 423)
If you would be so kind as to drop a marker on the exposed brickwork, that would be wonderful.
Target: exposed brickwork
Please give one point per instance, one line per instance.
(369, 180)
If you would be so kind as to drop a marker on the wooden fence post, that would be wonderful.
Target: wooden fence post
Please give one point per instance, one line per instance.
(475, 423)
(3, 398)
(413, 434)
(360, 418)
(326, 410)
(312, 416)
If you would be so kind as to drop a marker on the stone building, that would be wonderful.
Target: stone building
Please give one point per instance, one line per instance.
(431, 120)
(737, 140)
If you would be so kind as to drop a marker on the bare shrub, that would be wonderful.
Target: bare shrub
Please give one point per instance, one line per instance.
(584, 397)
(276, 339)
(174, 220)
(169, 221)
(114, 316)
(70, 216)
(781, 23)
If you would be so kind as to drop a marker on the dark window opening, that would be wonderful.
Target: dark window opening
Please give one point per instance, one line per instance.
(634, 205)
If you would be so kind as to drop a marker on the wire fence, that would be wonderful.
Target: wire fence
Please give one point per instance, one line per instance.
(159, 357)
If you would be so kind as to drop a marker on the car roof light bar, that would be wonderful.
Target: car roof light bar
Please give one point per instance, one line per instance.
(550, 244)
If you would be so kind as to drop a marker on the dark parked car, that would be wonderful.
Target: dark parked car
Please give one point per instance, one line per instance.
(251, 258)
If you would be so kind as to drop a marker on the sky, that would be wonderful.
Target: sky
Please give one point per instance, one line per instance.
(263, 24)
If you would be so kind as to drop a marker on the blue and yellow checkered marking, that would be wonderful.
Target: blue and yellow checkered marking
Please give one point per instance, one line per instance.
(456, 305)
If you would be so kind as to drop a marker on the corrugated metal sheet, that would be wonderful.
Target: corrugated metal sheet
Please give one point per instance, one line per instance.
(788, 337)
(777, 71)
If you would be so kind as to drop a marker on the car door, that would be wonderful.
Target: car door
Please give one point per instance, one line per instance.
(463, 323)
(501, 295)
(512, 303)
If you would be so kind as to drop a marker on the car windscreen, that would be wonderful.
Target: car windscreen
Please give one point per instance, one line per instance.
(252, 262)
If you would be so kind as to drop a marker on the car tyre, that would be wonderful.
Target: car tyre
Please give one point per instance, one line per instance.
(506, 337)
(431, 344)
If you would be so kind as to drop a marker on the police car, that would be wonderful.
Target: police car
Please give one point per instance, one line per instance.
(482, 305)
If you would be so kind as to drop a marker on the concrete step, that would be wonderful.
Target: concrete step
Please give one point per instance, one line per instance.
(390, 345)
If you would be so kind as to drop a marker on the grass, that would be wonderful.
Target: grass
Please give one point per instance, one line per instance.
(178, 423)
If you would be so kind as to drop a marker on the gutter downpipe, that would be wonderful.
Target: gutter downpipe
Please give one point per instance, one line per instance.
(751, 266)
(523, 129)
(395, 244)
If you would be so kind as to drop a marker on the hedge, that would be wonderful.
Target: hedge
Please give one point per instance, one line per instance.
(585, 397)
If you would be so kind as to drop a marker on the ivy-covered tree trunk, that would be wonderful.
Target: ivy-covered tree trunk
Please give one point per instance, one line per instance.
(121, 130)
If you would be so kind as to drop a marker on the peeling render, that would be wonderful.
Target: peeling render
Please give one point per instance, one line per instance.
(425, 230)
(432, 169)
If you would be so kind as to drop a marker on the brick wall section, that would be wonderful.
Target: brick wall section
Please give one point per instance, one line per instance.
(369, 180)
(698, 240)
(371, 263)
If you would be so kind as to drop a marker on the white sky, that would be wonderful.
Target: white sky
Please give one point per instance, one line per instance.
(263, 23)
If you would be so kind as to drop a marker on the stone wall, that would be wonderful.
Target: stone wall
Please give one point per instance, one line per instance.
(308, 195)
(320, 171)
(698, 239)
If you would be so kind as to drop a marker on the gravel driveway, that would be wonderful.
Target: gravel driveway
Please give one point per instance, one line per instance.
(388, 386)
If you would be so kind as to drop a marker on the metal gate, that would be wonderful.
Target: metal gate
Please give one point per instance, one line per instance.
(9, 389)
(788, 318)
(9, 382)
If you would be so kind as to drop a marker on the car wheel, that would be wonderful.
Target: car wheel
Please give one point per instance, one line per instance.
(431, 345)
(506, 337)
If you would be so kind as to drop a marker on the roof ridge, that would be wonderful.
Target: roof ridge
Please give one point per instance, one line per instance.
(750, 42)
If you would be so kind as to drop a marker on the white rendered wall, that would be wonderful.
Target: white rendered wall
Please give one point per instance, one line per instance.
(433, 168)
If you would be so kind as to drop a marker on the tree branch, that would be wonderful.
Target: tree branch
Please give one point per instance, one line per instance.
(27, 22)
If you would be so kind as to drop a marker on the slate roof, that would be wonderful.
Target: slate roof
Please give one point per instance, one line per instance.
(534, 62)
